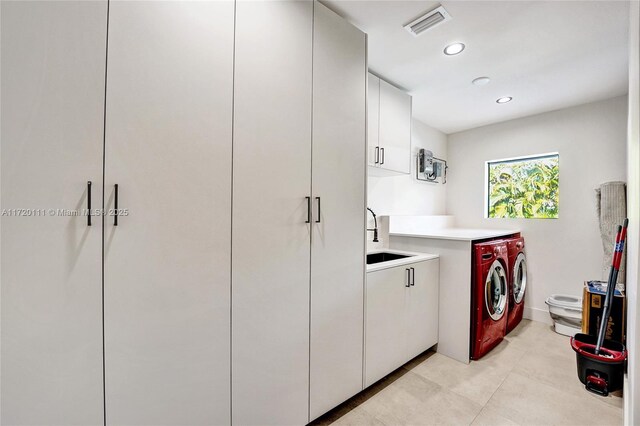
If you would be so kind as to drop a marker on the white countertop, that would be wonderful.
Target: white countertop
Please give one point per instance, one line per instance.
(413, 257)
(460, 234)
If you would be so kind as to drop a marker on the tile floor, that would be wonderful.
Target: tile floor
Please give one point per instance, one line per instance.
(529, 379)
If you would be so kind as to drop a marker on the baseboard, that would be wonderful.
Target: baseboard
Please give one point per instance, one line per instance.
(536, 314)
(626, 413)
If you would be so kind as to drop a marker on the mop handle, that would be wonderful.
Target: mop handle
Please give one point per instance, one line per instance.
(613, 276)
(617, 256)
(611, 285)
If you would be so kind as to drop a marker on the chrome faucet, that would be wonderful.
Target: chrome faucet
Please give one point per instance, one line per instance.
(375, 229)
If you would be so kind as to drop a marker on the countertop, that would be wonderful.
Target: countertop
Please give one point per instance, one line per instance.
(413, 257)
(460, 234)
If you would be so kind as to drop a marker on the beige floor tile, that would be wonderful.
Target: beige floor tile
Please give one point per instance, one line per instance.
(434, 404)
(357, 417)
(526, 332)
(397, 401)
(476, 381)
(491, 417)
(551, 365)
(530, 378)
(414, 400)
(504, 356)
(531, 402)
(337, 413)
(553, 362)
(446, 408)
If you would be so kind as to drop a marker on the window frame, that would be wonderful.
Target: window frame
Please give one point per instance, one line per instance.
(487, 193)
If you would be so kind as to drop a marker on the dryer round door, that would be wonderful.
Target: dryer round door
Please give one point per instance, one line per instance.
(519, 277)
(495, 291)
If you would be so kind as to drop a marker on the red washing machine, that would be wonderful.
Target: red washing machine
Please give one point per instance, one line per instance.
(489, 298)
(517, 281)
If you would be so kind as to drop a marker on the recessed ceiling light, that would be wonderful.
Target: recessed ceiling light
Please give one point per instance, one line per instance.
(453, 49)
(504, 100)
(481, 81)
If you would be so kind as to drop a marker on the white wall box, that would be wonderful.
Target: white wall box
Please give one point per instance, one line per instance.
(166, 264)
(389, 129)
(401, 316)
(53, 66)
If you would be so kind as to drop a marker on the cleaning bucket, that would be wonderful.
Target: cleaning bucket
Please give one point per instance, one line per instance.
(602, 373)
(601, 362)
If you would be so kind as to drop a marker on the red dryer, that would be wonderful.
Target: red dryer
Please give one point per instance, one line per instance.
(489, 296)
(517, 281)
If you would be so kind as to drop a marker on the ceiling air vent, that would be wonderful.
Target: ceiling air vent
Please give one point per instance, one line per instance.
(428, 21)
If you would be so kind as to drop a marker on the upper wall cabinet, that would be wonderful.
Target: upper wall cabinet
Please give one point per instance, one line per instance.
(389, 129)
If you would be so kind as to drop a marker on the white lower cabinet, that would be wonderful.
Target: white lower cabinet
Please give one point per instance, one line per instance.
(422, 307)
(401, 319)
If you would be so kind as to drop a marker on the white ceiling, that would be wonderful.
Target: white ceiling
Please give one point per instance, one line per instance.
(546, 54)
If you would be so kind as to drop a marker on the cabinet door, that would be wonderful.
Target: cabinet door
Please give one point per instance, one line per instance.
(271, 241)
(395, 129)
(53, 65)
(385, 326)
(338, 240)
(422, 308)
(167, 263)
(373, 119)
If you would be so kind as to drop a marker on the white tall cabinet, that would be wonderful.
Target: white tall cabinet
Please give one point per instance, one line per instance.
(167, 263)
(53, 67)
(338, 248)
(298, 212)
(229, 138)
(271, 239)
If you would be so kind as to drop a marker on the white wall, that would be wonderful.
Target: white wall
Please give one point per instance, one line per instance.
(632, 395)
(404, 194)
(561, 253)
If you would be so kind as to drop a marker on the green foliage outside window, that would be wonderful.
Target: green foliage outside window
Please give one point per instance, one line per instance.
(524, 188)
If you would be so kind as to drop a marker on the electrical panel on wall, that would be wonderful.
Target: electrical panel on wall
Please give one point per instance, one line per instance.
(430, 168)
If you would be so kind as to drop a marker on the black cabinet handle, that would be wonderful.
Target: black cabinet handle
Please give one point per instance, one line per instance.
(318, 218)
(408, 284)
(382, 155)
(88, 203)
(377, 160)
(308, 209)
(115, 205)
(413, 276)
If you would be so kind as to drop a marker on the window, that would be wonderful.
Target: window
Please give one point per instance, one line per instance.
(525, 187)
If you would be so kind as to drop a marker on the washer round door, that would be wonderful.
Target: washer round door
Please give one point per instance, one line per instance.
(495, 289)
(519, 277)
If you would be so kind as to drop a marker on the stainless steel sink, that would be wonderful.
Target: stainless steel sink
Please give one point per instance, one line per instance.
(384, 257)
